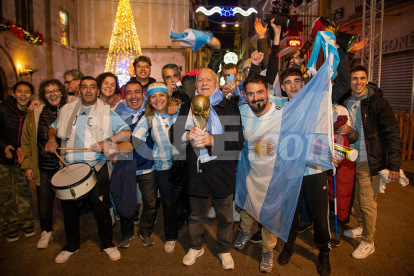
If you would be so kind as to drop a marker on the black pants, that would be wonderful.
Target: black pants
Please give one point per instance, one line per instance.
(167, 198)
(45, 198)
(100, 201)
(148, 189)
(224, 211)
(315, 190)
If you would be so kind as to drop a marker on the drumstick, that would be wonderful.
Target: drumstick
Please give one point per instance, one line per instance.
(61, 160)
(75, 148)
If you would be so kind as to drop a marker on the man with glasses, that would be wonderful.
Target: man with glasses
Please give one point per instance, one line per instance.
(142, 70)
(72, 79)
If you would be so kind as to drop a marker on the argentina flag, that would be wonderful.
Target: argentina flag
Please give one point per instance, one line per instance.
(278, 146)
(191, 38)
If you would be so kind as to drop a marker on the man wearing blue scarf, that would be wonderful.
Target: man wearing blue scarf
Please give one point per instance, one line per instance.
(211, 156)
(131, 109)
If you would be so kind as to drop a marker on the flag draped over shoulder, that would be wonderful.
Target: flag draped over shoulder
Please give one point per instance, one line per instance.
(191, 38)
(278, 146)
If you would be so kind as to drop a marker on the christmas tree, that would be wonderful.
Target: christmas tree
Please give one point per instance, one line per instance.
(124, 46)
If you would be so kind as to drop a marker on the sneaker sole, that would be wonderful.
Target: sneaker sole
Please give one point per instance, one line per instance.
(301, 231)
(265, 270)
(114, 259)
(255, 242)
(369, 253)
(145, 244)
(28, 235)
(65, 260)
(46, 245)
(194, 260)
(13, 239)
(352, 237)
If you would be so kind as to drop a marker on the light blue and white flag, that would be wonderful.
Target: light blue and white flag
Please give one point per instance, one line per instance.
(278, 146)
(327, 41)
(191, 38)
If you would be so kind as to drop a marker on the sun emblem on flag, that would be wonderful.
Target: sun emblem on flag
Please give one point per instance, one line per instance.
(263, 147)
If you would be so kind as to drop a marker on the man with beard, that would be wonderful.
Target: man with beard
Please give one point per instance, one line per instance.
(256, 113)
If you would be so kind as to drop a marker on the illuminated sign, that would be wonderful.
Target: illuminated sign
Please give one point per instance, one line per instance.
(226, 12)
(294, 42)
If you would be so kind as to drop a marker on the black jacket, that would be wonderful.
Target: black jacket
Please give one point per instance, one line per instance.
(381, 131)
(11, 124)
(217, 177)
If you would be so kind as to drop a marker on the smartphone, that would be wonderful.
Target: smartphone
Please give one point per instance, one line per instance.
(230, 76)
(305, 49)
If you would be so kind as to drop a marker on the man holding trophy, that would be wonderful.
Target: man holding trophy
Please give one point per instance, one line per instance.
(209, 129)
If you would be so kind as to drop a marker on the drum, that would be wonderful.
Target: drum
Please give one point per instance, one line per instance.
(74, 182)
(323, 23)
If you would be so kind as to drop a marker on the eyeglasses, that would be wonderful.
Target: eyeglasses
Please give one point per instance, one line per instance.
(142, 66)
(68, 82)
(52, 91)
(246, 69)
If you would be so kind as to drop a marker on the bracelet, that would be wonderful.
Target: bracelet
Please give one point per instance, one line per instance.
(119, 147)
(51, 140)
(187, 134)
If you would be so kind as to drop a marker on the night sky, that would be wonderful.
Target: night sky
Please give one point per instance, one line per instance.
(225, 35)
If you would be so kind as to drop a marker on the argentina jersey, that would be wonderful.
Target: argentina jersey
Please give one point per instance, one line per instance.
(81, 136)
(163, 150)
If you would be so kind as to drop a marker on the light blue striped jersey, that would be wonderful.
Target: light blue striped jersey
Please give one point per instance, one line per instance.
(354, 108)
(81, 137)
(163, 150)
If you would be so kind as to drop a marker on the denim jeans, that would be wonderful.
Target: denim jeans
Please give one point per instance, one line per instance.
(224, 212)
(167, 198)
(100, 201)
(45, 198)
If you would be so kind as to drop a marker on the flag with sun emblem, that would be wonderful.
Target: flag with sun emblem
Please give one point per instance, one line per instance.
(278, 146)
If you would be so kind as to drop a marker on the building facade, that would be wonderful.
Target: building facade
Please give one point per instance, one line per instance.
(77, 35)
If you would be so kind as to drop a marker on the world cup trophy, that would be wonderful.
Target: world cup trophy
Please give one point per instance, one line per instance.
(200, 107)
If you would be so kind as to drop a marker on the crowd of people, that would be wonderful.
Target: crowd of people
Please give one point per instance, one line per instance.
(142, 141)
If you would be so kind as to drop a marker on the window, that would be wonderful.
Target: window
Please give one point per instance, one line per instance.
(64, 27)
(24, 14)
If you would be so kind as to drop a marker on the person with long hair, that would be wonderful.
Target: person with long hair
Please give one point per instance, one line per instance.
(39, 165)
(157, 124)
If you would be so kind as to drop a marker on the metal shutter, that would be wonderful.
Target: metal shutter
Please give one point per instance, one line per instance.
(396, 79)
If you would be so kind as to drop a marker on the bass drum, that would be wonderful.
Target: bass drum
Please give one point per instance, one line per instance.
(74, 182)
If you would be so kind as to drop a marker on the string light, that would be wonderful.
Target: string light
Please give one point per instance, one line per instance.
(223, 24)
(226, 12)
(124, 46)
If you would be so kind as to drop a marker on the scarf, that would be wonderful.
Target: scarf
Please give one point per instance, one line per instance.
(324, 39)
(213, 124)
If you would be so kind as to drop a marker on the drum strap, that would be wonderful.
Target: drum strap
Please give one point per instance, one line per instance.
(99, 165)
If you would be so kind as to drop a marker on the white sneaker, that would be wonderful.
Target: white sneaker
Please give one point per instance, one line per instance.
(354, 233)
(113, 253)
(226, 260)
(45, 238)
(191, 256)
(169, 246)
(212, 213)
(363, 250)
(64, 256)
